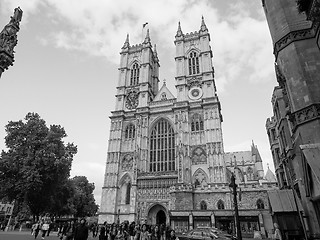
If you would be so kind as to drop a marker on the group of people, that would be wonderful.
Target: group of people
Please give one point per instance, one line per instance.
(133, 231)
(79, 230)
(70, 230)
(43, 225)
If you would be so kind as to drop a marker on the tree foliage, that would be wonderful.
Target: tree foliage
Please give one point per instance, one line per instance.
(83, 199)
(37, 164)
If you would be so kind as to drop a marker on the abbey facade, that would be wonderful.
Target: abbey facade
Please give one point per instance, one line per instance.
(166, 161)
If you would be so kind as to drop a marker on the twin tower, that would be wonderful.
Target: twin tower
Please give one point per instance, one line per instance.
(161, 147)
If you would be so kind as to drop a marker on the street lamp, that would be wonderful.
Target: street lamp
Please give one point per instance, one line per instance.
(233, 186)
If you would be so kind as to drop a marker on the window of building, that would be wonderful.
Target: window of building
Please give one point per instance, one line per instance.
(130, 132)
(260, 204)
(128, 193)
(250, 175)
(135, 71)
(203, 205)
(193, 62)
(220, 204)
(163, 96)
(196, 122)
(162, 147)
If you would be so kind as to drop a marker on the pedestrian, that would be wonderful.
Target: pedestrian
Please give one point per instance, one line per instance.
(137, 232)
(144, 234)
(81, 231)
(44, 228)
(132, 230)
(102, 232)
(36, 229)
(50, 228)
(277, 232)
(69, 231)
(173, 235)
(155, 235)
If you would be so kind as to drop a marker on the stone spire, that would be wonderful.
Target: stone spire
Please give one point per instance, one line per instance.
(126, 43)
(147, 39)
(203, 27)
(179, 32)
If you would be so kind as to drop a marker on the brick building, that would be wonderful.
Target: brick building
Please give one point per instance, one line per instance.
(166, 161)
(294, 130)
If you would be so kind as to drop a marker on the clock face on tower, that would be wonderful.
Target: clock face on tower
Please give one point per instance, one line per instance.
(132, 100)
(195, 93)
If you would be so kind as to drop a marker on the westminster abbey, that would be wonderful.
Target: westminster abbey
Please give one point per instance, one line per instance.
(166, 161)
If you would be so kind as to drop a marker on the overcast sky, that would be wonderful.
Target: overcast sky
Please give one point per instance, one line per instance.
(67, 59)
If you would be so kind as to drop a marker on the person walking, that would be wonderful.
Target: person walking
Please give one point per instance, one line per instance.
(68, 232)
(144, 234)
(81, 231)
(44, 228)
(277, 232)
(36, 229)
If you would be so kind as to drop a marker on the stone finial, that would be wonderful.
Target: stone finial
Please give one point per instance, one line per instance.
(203, 27)
(179, 31)
(126, 43)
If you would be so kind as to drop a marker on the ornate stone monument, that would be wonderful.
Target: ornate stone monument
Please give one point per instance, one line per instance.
(8, 40)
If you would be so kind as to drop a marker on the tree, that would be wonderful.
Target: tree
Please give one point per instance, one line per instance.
(36, 164)
(83, 199)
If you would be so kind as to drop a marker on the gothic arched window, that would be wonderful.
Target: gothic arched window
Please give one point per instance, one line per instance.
(203, 205)
(162, 150)
(130, 132)
(128, 190)
(193, 61)
(250, 175)
(260, 204)
(196, 122)
(134, 79)
(220, 204)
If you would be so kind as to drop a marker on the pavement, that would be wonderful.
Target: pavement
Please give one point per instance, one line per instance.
(26, 235)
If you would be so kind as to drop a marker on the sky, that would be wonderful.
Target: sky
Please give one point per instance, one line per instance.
(67, 59)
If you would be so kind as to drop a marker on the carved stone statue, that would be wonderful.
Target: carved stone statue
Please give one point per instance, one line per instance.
(8, 36)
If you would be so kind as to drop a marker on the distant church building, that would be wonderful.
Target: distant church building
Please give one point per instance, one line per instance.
(166, 161)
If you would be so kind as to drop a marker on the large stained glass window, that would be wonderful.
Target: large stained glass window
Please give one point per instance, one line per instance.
(162, 154)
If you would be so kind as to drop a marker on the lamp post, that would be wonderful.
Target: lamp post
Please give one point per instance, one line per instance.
(233, 185)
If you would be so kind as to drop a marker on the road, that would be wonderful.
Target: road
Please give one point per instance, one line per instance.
(16, 235)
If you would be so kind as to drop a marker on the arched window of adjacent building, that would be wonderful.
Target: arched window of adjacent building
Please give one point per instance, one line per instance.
(135, 70)
(260, 204)
(128, 191)
(130, 132)
(162, 147)
(196, 122)
(250, 175)
(203, 205)
(193, 62)
(220, 204)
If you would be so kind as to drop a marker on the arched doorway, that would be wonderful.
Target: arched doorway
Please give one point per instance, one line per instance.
(161, 217)
(157, 214)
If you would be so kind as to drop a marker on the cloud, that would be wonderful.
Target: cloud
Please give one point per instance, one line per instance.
(241, 43)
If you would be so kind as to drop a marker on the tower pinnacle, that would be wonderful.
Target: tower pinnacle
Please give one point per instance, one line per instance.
(147, 38)
(179, 32)
(126, 43)
(203, 27)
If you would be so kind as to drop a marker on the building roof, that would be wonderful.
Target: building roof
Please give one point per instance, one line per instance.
(164, 91)
(270, 177)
